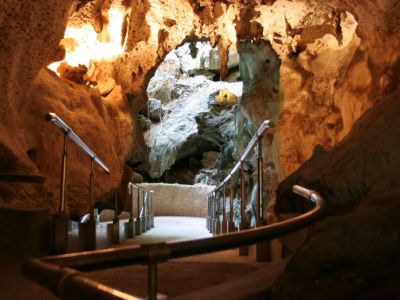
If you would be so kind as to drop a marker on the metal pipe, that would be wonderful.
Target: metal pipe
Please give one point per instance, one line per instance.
(70, 284)
(152, 281)
(138, 204)
(91, 190)
(260, 198)
(116, 205)
(242, 193)
(132, 199)
(224, 205)
(63, 175)
(232, 190)
(260, 131)
(77, 140)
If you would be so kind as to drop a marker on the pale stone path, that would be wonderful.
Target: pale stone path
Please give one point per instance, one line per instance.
(168, 229)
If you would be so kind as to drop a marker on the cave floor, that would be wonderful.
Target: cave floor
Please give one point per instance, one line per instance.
(221, 275)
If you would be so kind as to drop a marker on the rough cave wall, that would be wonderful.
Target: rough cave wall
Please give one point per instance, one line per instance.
(319, 101)
(355, 250)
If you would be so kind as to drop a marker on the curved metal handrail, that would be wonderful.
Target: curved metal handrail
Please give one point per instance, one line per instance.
(54, 272)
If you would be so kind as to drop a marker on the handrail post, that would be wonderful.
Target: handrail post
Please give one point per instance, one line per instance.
(131, 223)
(91, 189)
(244, 250)
(143, 214)
(242, 197)
(64, 174)
(208, 213)
(115, 225)
(224, 224)
(260, 204)
(61, 219)
(138, 222)
(212, 210)
(151, 210)
(90, 226)
(148, 213)
(217, 213)
(263, 249)
(152, 281)
(214, 213)
(231, 224)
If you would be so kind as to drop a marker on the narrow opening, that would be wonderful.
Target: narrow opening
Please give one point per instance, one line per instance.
(190, 115)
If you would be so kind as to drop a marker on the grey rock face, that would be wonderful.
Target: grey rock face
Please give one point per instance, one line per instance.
(189, 127)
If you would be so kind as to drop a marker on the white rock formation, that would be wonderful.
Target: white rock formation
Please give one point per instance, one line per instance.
(168, 137)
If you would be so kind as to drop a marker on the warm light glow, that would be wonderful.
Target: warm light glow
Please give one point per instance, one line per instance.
(88, 48)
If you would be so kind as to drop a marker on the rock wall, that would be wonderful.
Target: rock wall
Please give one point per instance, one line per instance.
(337, 60)
(355, 250)
(103, 123)
(179, 199)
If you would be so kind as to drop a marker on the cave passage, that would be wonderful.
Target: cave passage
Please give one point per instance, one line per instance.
(189, 121)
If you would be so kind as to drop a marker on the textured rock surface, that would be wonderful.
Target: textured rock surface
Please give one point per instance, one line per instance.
(357, 253)
(103, 123)
(322, 100)
(189, 128)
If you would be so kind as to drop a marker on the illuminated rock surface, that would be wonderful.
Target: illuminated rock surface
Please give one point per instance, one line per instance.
(337, 59)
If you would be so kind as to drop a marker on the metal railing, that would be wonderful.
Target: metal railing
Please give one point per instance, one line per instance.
(56, 273)
(217, 221)
(144, 210)
(61, 220)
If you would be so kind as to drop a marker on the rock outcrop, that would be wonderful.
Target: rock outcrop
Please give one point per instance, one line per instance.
(189, 128)
(355, 250)
(103, 123)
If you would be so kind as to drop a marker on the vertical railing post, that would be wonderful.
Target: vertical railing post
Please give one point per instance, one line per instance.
(152, 281)
(148, 212)
(263, 249)
(214, 213)
(151, 209)
(260, 204)
(218, 212)
(90, 226)
(242, 197)
(231, 224)
(91, 189)
(131, 223)
(63, 190)
(242, 250)
(143, 213)
(224, 224)
(115, 225)
(61, 219)
(208, 213)
(138, 222)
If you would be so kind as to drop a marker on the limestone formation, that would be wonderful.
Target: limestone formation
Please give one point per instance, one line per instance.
(314, 67)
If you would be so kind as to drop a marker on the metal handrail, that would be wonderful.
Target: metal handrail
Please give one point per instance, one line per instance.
(213, 222)
(260, 131)
(77, 140)
(55, 274)
(61, 220)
